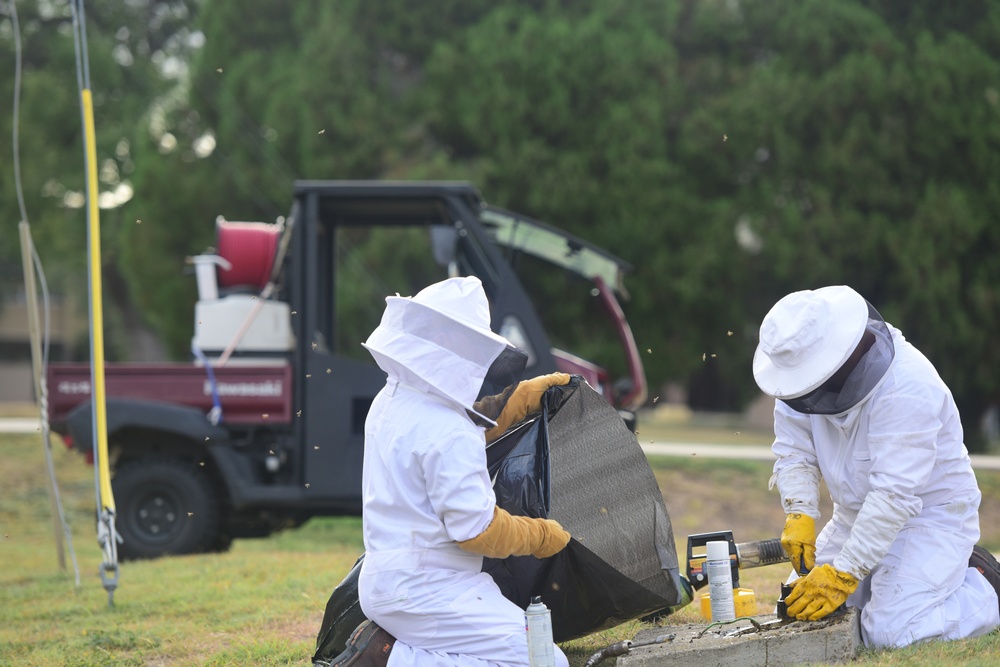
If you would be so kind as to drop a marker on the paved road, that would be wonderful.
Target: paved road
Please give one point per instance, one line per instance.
(19, 425)
(750, 452)
(761, 453)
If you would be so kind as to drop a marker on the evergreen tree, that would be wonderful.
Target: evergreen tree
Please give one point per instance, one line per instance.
(733, 152)
(130, 46)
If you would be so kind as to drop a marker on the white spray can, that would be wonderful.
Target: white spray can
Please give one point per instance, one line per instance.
(720, 581)
(538, 623)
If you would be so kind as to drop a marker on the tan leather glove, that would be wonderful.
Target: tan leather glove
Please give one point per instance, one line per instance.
(799, 541)
(527, 398)
(509, 535)
(819, 593)
(488, 405)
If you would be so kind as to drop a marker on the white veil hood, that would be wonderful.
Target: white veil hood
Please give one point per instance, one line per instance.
(440, 340)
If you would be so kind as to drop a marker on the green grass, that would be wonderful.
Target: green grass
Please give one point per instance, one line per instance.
(262, 602)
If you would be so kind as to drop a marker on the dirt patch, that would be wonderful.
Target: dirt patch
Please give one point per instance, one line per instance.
(714, 495)
(297, 629)
(989, 509)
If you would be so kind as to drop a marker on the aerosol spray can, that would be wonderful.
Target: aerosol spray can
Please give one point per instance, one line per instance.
(538, 623)
(720, 581)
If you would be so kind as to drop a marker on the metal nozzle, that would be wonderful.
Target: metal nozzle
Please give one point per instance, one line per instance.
(760, 553)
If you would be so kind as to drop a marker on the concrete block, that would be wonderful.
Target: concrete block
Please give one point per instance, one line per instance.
(831, 640)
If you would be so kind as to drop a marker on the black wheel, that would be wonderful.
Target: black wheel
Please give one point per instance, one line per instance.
(165, 506)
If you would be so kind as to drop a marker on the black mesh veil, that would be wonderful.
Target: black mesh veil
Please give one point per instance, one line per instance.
(500, 381)
(861, 381)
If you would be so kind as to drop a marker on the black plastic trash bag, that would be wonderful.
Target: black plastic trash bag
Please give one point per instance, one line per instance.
(579, 464)
(343, 614)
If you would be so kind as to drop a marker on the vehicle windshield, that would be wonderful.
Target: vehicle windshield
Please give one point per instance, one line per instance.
(517, 232)
(551, 261)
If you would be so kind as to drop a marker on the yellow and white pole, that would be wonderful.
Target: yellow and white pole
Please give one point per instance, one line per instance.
(107, 536)
(96, 308)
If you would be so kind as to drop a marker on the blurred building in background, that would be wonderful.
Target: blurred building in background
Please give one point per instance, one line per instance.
(66, 327)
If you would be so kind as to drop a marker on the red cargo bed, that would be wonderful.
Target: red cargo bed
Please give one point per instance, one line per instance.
(248, 394)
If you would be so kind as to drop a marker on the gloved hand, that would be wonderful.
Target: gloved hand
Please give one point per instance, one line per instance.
(509, 535)
(799, 541)
(527, 398)
(819, 593)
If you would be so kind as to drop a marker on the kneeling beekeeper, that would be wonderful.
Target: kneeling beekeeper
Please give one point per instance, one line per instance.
(862, 408)
(430, 514)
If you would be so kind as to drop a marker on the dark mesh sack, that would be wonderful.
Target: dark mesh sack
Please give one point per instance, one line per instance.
(579, 464)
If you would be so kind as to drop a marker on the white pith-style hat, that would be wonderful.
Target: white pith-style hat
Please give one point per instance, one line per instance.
(806, 337)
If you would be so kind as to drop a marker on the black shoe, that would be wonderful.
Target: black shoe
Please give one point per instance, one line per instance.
(369, 646)
(983, 560)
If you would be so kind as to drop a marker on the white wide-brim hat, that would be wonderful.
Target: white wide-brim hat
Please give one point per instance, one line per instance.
(439, 340)
(806, 337)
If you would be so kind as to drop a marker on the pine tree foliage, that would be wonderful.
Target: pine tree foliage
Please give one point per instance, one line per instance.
(732, 150)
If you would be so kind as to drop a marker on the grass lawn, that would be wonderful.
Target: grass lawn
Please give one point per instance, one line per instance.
(262, 602)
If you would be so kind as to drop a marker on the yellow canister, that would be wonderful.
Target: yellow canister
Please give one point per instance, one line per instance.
(743, 599)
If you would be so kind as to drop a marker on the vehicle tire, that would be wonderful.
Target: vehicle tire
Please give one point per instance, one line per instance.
(164, 506)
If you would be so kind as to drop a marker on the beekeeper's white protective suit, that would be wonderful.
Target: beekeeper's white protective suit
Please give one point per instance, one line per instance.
(426, 487)
(885, 436)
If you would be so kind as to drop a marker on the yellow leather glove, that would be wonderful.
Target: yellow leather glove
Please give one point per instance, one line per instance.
(527, 398)
(799, 541)
(819, 593)
(509, 535)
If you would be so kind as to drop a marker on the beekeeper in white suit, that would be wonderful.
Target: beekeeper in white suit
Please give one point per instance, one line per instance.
(430, 514)
(862, 408)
